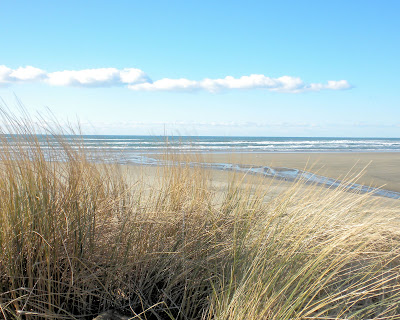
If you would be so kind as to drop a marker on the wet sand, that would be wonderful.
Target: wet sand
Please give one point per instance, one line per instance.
(378, 169)
(327, 164)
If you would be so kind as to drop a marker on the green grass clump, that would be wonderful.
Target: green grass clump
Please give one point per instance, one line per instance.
(79, 237)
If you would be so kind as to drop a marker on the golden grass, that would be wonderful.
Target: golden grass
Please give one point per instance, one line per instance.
(79, 237)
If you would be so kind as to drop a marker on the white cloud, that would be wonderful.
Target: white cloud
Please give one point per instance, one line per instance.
(102, 77)
(338, 85)
(138, 80)
(27, 73)
(132, 75)
(167, 85)
(331, 85)
(254, 81)
(4, 74)
(22, 74)
(89, 77)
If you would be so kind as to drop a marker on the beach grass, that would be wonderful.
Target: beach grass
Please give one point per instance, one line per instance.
(79, 236)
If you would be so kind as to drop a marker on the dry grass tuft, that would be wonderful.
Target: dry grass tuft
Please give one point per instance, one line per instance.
(80, 237)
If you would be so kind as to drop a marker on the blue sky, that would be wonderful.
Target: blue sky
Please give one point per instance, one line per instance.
(258, 68)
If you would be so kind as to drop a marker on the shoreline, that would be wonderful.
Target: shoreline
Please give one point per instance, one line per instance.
(378, 169)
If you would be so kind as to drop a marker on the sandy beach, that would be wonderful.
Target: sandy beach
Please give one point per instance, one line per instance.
(377, 169)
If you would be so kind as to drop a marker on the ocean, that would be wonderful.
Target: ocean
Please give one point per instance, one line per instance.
(156, 144)
(138, 150)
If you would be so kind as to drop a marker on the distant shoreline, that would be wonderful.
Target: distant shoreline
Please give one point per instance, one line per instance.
(380, 169)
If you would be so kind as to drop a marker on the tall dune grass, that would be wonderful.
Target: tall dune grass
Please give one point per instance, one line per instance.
(79, 237)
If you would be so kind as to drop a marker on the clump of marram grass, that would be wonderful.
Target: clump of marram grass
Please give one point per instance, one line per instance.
(79, 237)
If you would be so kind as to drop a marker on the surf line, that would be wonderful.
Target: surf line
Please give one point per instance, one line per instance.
(280, 173)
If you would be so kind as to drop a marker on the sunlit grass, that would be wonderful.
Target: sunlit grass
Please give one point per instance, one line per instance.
(79, 237)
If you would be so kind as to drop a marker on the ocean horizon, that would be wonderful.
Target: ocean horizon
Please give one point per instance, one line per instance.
(217, 144)
(223, 144)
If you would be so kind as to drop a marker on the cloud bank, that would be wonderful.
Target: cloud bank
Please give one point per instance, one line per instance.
(103, 77)
(138, 80)
(254, 81)
(22, 74)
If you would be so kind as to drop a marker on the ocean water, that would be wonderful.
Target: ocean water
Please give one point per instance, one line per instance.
(156, 144)
(139, 149)
(127, 147)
